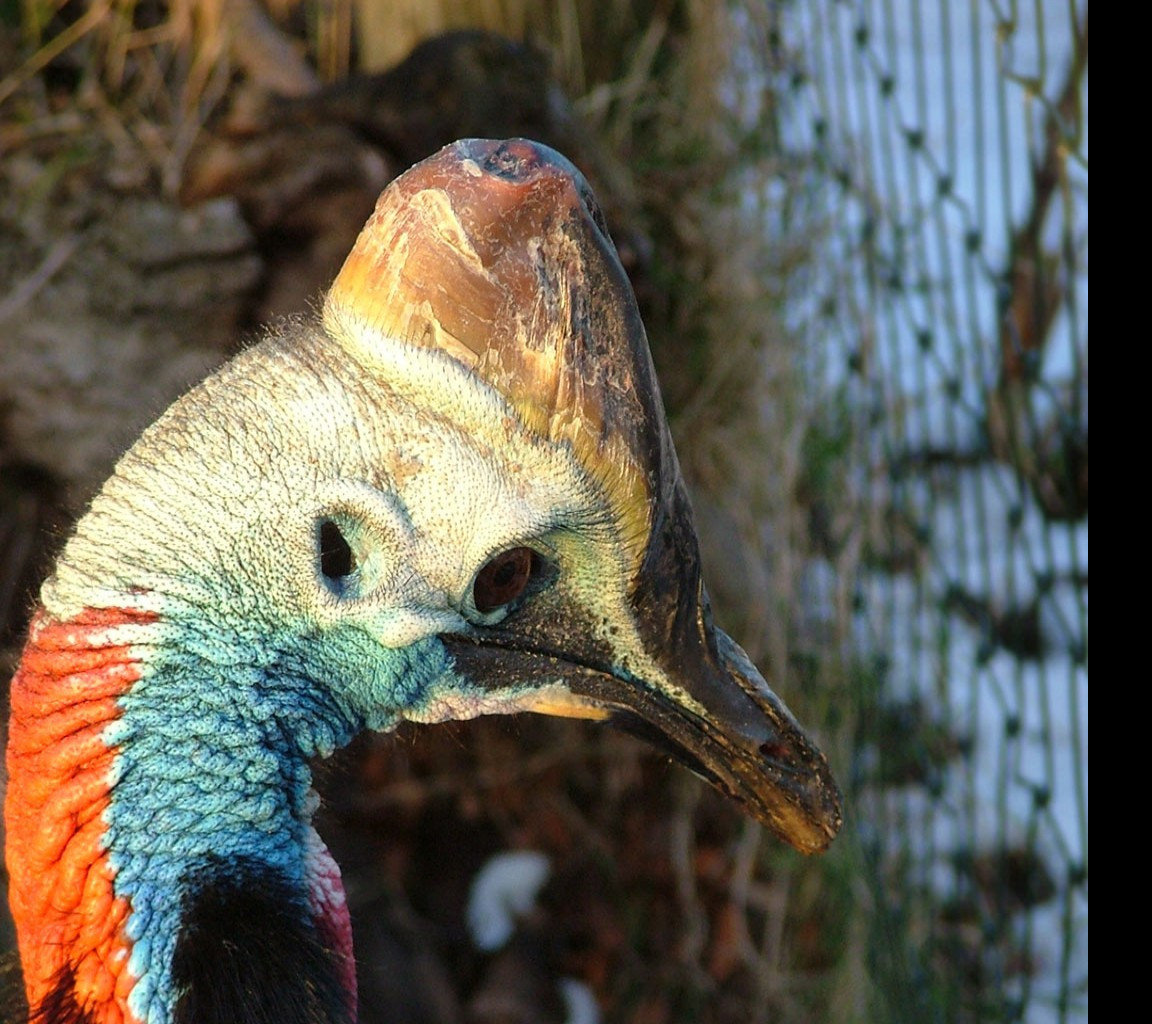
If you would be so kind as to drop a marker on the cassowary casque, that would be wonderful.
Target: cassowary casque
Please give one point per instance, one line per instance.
(453, 494)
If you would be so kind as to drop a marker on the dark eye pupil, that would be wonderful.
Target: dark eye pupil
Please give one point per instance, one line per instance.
(503, 579)
(336, 558)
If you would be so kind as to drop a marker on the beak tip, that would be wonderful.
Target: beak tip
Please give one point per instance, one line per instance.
(811, 827)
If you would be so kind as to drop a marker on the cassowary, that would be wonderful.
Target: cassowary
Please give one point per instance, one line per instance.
(452, 494)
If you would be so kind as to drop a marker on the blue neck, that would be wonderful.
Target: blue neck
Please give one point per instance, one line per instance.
(213, 770)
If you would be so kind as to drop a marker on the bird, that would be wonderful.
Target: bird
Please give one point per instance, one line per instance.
(450, 492)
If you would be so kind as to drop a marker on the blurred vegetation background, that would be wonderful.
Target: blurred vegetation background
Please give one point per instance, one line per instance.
(858, 234)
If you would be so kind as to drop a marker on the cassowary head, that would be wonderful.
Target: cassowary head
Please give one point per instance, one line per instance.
(453, 494)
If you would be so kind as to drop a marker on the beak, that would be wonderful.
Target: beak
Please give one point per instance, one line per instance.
(739, 736)
(496, 254)
(743, 740)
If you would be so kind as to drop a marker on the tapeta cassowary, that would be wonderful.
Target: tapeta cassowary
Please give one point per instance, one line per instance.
(451, 494)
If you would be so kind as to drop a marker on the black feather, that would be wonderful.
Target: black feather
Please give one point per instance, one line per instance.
(249, 950)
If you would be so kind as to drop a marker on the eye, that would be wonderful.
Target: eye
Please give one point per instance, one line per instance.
(504, 579)
(336, 558)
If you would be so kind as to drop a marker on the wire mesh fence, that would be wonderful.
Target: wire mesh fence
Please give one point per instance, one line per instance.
(944, 318)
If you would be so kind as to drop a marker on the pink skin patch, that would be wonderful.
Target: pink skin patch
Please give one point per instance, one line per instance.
(328, 904)
(68, 918)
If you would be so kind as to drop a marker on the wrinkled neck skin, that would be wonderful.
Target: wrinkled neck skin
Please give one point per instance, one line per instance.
(176, 683)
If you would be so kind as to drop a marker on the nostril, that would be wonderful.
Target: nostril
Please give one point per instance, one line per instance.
(775, 750)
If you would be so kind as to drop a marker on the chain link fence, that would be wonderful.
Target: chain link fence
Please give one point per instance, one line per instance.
(941, 150)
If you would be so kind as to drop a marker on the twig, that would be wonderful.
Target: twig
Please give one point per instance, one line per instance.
(682, 842)
(26, 290)
(50, 51)
(1035, 294)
